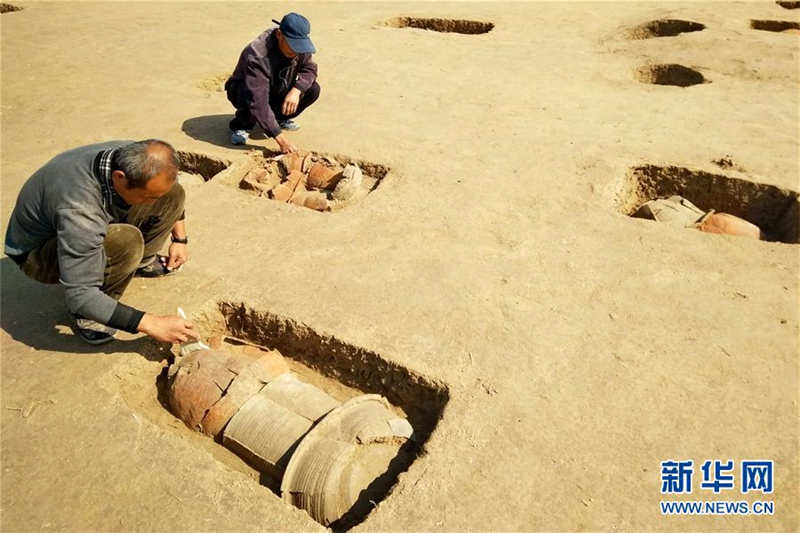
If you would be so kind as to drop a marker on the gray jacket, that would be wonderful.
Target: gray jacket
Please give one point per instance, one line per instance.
(64, 200)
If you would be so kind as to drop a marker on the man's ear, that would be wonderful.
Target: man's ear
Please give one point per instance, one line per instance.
(119, 176)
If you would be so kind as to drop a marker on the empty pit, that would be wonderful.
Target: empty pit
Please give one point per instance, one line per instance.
(196, 169)
(467, 27)
(343, 372)
(669, 74)
(789, 5)
(9, 8)
(776, 211)
(663, 28)
(780, 26)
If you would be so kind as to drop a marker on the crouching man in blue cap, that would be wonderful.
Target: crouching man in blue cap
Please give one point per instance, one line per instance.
(274, 81)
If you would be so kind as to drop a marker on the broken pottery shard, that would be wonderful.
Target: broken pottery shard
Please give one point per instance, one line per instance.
(674, 210)
(316, 200)
(257, 174)
(198, 381)
(269, 425)
(341, 463)
(299, 397)
(298, 196)
(249, 382)
(323, 177)
(349, 185)
(307, 162)
(282, 192)
(725, 224)
(292, 162)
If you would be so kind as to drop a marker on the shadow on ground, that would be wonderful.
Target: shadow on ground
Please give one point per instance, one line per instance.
(35, 315)
(213, 129)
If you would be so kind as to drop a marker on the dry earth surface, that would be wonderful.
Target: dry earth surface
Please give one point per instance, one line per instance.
(577, 348)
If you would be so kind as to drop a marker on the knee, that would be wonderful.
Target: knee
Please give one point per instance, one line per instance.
(124, 246)
(312, 93)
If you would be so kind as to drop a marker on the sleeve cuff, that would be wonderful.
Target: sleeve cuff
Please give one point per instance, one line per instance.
(125, 318)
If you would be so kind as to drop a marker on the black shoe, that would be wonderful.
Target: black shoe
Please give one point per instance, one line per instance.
(156, 269)
(93, 332)
(94, 337)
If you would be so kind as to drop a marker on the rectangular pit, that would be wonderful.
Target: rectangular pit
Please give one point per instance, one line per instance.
(773, 209)
(341, 370)
(318, 182)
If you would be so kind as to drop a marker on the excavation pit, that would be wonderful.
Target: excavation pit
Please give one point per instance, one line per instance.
(779, 26)
(352, 377)
(776, 211)
(663, 28)
(788, 5)
(467, 27)
(196, 169)
(9, 8)
(321, 182)
(669, 74)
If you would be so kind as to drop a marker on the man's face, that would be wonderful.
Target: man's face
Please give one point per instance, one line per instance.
(284, 46)
(154, 189)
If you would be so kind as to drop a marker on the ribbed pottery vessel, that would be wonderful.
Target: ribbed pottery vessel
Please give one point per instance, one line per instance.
(269, 425)
(347, 452)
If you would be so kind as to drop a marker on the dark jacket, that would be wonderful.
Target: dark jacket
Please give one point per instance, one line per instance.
(263, 71)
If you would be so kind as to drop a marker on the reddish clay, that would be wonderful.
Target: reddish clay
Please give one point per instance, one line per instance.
(323, 177)
(199, 381)
(726, 224)
(250, 380)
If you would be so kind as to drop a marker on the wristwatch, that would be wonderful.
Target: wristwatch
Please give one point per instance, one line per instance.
(185, 240)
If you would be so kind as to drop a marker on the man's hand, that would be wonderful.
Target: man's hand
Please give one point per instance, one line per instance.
(291, 101)
(167, 328)
(178, 255)
(284, 144)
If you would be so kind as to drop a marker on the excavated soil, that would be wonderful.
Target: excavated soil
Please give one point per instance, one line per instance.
(788, 5)
(8, 8)
(672, 74)
(467, 27)
(663, 28)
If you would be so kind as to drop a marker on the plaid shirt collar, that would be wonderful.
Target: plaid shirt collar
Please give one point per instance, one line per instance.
(102, 170)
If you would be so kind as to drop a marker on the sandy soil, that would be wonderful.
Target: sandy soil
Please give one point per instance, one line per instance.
(578, 347)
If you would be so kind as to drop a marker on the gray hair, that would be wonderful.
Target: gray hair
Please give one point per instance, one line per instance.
(141, 161)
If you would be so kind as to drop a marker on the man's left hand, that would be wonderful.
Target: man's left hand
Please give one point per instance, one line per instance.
(178, 255)
(291, 102)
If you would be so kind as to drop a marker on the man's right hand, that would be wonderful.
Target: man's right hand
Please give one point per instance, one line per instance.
(284, 144)
(172, 329)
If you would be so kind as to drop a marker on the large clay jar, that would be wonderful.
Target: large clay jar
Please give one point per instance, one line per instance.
(339, 464)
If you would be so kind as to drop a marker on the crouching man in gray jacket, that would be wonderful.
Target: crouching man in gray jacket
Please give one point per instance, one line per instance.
(92, 218)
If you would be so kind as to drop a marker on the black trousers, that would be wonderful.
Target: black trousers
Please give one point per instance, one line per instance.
(244, 120)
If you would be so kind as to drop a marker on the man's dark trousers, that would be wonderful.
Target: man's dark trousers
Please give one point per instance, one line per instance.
(243, 120)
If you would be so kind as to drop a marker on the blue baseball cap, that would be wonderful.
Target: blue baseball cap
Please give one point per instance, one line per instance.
(296, 29)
